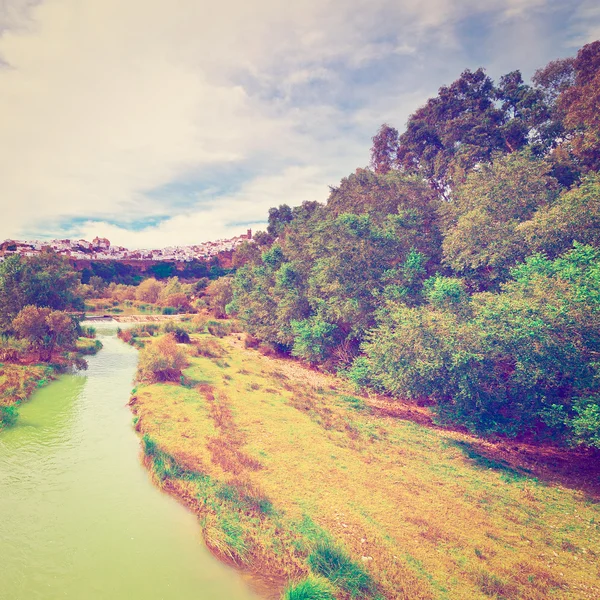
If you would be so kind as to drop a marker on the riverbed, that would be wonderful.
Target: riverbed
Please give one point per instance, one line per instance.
(79, 516)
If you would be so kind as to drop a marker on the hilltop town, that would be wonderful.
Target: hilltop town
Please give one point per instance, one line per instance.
(101, 249)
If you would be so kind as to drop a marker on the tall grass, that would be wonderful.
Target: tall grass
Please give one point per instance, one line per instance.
(311, 588)
(335, 564)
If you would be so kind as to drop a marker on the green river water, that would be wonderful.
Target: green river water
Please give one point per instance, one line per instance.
(79, 517)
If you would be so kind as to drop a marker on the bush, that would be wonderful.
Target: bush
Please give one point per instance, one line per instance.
(181, 335)
(178, 301)
(334, 564)
(311, 588)
(209, 348)
(8, 416)
(169, 310)
(88, 332)
(217, 329)
(144, 329)
(251, 342)
(12, 349)
(162, 360)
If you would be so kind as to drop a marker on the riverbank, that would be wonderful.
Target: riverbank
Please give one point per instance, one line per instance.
(19, 381)
(290, 473)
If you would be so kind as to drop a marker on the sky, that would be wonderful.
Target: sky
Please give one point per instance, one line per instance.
(172, 122)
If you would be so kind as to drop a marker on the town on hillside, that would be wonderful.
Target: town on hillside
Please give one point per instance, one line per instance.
(101, 249)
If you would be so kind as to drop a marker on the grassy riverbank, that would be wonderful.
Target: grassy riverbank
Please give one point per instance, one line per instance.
(292, 474)
(19, 381)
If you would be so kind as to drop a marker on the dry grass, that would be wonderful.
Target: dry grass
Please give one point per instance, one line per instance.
(283, 457)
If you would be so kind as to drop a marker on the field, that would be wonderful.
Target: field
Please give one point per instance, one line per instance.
(287, 468)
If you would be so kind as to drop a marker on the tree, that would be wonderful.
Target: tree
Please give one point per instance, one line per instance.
(220, 294)
(573, 217)
(45, 280)
(453, 131)
(520, 360)
(466, 124)
(384, 149)
(553, 79)
(278, 219)
(246, 252)
(579, 103)
(483, 238)
(365, 192)
(149, 290)
(45, 330)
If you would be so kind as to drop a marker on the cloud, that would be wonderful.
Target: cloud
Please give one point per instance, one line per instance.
(110, 107)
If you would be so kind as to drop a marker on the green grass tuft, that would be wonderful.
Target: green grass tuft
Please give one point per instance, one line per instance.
(311, 588)
(8, 416)
(333, 563)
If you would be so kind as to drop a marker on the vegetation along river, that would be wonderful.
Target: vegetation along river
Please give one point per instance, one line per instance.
(79, 516)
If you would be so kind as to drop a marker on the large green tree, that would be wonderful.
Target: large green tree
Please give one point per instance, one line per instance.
(44, 280)
(483, 238)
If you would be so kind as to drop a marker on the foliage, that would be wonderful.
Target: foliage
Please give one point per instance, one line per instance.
(384, 149)
(179, 332)
(45, 329)
(509, 362)
(483, 238)
(573, 217)
(149, 290)
(466, 124)
(12, 349)
(579, 103)
(278, 219)
(326, 271)
(220, 294)
(163, 360)
(44, 280)
(8, 416)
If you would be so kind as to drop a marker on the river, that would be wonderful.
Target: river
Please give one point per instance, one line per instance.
(79, 516)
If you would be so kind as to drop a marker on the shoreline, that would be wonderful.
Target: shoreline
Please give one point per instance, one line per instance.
(21, 381)
(274, 458)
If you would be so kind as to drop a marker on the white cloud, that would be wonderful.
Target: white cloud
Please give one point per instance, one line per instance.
(104, 101)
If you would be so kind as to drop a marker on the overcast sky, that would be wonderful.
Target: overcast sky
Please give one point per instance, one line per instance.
(160, 122)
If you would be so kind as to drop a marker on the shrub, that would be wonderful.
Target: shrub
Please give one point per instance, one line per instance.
(178, 301)
(169, 310)
(181, 335)
(251, 342)
(217, 329)
(12, 349)
(45, 330)
(334, 564)
(8, 416)
(162, 360)
(88, 332)
(145, 329)
(199, 322)
(209, 348)
(311, 588)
